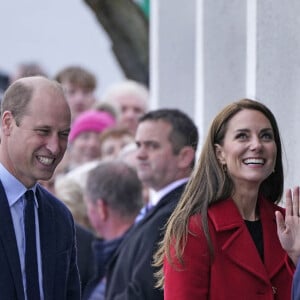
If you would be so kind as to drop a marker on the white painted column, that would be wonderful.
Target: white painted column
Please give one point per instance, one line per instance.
(251, 63)
(206, 54)
(172, 54)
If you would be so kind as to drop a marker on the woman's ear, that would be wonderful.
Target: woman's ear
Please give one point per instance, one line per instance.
(220, 154)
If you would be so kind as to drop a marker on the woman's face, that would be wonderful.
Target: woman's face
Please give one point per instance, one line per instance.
(111, 146)
(249, 149)
(85, 148)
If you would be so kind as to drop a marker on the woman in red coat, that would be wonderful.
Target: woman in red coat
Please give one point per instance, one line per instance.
(221, 242)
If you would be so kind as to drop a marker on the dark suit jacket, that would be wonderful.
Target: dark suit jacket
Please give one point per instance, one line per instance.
(85, 259)
(58, 251)
(296, 284)
(130, 273)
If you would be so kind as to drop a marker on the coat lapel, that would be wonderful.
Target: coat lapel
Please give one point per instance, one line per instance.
(7, 235)
(237, 244)
(48, 242)
(173, 196)
(274, 254)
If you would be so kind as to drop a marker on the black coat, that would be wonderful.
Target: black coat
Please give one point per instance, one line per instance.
(85, 261)
(130, 273)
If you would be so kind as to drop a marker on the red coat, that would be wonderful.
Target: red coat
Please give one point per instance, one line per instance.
(237, 272)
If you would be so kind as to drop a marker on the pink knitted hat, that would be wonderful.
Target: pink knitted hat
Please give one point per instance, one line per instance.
(91, 120)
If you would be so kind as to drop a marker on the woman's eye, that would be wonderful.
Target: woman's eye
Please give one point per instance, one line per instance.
(241, 136)
(268, 136)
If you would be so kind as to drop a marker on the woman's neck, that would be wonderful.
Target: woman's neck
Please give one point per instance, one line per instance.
(246, 202)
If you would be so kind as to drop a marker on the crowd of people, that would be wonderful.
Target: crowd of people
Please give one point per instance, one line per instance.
(123, 209)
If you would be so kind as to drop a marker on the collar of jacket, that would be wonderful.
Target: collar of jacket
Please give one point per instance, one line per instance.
(232, 237)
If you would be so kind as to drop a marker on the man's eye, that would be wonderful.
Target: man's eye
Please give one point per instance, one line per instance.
(153, 145)
(70, 91)
(43, 131)
(64, 135)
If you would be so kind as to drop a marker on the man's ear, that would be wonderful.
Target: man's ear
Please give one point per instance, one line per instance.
(102, 209)
(6, 122)
(220, 154)
(186, 156)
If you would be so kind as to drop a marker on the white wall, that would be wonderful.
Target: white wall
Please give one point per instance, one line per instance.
(237, 49)
(56, 34)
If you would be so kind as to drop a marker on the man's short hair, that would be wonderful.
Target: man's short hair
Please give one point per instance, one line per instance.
(78, 76)
(116, 183)
(184, 131)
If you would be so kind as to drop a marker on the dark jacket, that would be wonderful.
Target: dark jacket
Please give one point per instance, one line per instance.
(85, 262)
(58, 251)
(296, 284)
(102, 253)
(130, 274)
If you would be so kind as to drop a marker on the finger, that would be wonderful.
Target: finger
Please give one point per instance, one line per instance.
(288, 203)
(279, 221)
(296, 201)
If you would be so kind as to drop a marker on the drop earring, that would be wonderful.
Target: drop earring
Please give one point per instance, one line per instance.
(224, 167)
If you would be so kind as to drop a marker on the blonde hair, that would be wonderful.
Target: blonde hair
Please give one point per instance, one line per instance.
(127, 87)
(71, 193)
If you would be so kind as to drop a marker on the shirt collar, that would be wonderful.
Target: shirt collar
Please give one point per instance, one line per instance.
(14, 189)
(155, 197)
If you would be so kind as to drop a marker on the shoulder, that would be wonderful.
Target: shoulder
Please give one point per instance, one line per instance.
(176, 192)
(266, 205)
(83, 234)
(195, 227)
(49, 201)
(169, 201)
(163, 210)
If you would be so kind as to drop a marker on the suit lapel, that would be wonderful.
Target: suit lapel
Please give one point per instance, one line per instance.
(274, 255)
(173, 196)
(7, 235)
(237, 243)
(48, 241)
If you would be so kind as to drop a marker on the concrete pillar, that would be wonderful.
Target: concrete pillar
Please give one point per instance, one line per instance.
(206, 54)
(172, 54)
(278, 74)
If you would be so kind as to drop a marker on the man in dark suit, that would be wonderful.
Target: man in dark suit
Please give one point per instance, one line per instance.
(167, 141)
(35, 123)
